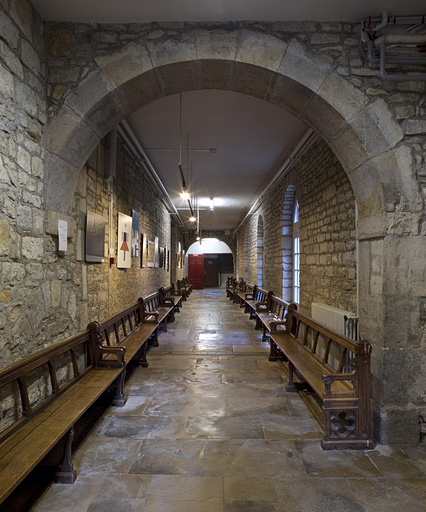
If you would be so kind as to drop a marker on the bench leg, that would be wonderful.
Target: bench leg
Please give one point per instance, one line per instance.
(265, 336)
(143, 361)
(172, 315)
(247, 309)
(275, 353)
(120, 396)
(155, 338)
(165, 324)
(67, 473)
(291, 385)
(259, 324)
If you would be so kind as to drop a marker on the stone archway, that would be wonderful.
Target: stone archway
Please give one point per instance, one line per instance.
(362, 132)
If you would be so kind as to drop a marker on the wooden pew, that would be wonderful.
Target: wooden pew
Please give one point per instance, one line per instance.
(230, 287)
(187, 284)
(37, 425)
(71, 375)
(169, 293)
(343, 384)
(129, 330)
(159, 309)
(182, 289)
(272, 315)
(256, 300)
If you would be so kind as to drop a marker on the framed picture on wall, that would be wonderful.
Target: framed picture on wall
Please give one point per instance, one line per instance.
(151, 254)
(143, 252)
(178, 255)
(162, 261)
(95, 238)
(135, 234)
(156, 252)
(124, 241)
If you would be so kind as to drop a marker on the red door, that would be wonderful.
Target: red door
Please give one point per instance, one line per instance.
(196, 270)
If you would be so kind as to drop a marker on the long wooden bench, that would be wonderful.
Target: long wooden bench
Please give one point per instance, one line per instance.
(51, 390)
(168, 293)
(46, 404)
(272, 315)
(187, 284)
(183, 289)
(229, 286)
(342, 381)
(255, 301)
(241, 292)
(158, 308)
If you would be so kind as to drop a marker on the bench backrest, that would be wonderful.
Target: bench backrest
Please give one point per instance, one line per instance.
(260, 295)
(279, 307)
(116, 329)
(30, 384)
(152, 302)
(322, 342)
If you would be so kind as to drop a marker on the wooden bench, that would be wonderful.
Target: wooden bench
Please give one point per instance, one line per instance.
(272, 315)
(182, 289)
(169, 293)
(341, 381)
(256, 300)
(129, 330)
(52, 389)
(159, 309)
(229, 286)
(240, 293)
(187, 284)
(49, 392)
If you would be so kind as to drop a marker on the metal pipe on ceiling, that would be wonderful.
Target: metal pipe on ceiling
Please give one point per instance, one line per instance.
(140, 156)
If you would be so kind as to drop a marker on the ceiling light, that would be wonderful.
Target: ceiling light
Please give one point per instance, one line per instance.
(211, 205)
(184, 196)
(192, 219)
(198, 238)
(213, 151)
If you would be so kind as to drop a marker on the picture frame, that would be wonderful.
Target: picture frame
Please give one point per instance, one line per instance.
(156, 252)
(135, 234)
(95, 238)
(143, 252)
(150, 254)
(124, 259)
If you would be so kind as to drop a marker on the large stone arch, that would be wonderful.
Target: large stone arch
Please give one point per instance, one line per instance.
(366, 138)
(251, 63)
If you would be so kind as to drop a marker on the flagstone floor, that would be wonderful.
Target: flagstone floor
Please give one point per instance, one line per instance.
(209, 427)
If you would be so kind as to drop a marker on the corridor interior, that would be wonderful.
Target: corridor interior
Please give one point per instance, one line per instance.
(209, 427)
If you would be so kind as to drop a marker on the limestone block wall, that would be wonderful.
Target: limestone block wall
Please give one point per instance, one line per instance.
(107, 289)
(327, 232)
(28, 283)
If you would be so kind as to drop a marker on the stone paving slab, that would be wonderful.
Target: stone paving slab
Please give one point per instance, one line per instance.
(209, 427)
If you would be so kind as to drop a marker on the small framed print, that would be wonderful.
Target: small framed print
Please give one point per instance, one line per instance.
(151, 254)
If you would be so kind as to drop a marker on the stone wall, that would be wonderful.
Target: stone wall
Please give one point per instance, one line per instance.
(26, 300)
(110, 289)
(327, 232)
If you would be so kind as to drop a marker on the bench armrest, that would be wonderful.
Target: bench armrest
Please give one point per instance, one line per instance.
(274, 323)
(150, 314)
(339, 377)
(260, 306)
(108, 351)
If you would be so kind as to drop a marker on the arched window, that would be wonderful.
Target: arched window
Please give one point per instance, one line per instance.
(260, 252)
(287, 241)
(296, 255)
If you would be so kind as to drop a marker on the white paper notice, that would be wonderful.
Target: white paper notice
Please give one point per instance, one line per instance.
(62, 233)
